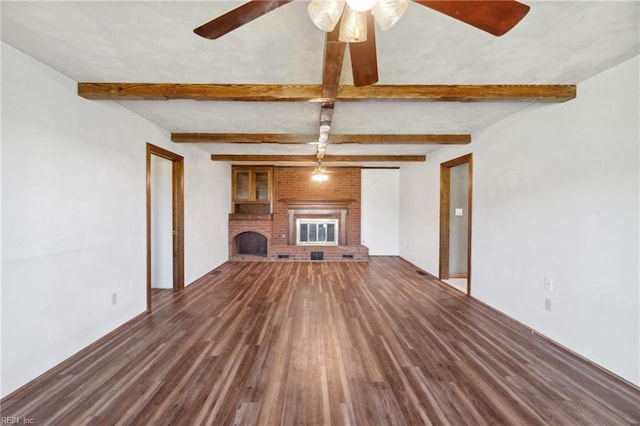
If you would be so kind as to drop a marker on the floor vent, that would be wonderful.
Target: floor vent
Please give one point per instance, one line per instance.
(317, 255)
(283, 256)
(423, 273)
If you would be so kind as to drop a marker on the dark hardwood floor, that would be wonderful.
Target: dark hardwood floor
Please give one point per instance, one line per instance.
(323, 343)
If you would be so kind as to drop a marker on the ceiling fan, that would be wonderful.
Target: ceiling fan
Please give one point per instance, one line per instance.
(356, 22)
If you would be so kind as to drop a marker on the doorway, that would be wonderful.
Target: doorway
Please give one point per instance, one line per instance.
(165, 220)
(455, 222)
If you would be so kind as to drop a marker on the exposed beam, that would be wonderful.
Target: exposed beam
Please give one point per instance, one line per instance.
(400, 139)
(326, 112)
(281, 138)
(460, 93)
(332, 66)
(312, 158)
(302, 138)
(313, 92)
(202, 92)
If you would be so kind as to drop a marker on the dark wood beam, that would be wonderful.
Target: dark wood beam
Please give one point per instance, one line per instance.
(313, 92)
(460, 93)
(312, 158)
(331, 69)
(302, 138)
(245, 138)
(202, 92)
(400, 139)
(326, 112)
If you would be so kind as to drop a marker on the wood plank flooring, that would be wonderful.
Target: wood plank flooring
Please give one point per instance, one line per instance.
(363, 343)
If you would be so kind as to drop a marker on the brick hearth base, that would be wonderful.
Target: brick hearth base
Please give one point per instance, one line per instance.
(304, 253)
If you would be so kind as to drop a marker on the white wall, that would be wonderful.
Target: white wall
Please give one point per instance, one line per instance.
(73, 216)
(380, 213)
(161, 222)
(555, 194)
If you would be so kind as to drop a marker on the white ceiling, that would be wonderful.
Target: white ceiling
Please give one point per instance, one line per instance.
(152, 41)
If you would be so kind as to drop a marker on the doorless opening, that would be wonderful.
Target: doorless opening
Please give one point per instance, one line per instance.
(161, 223)
(173, 233)
(455, 222)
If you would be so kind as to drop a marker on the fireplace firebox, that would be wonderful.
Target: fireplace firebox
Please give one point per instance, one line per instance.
(252, 243)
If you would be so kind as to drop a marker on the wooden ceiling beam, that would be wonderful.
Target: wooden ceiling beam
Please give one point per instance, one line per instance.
(246, 138)
(399, 139)
(314, 92)
(331, 69)
(312, 158)
(303, 138)
(460, 93)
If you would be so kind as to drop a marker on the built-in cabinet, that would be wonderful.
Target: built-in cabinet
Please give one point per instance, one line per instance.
(252, 190)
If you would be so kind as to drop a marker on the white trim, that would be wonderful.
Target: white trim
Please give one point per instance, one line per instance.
(334, 222)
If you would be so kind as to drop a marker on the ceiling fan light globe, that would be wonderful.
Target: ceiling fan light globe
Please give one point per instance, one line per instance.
(353, 27)
(361, 5)
(325, 14)
(387, 12)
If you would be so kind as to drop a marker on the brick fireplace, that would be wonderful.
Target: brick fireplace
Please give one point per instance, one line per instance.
(295, 196)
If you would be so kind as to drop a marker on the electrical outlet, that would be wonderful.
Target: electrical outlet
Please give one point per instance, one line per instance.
(114, 298)
(548, 284)
(547, 305)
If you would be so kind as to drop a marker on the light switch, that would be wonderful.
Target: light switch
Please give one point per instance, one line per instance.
(458, 212)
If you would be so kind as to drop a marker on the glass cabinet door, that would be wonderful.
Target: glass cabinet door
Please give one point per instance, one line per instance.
(262, 186)
(242, 185)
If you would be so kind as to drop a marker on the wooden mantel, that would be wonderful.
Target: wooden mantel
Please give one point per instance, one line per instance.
(313, 207)
(318, 204)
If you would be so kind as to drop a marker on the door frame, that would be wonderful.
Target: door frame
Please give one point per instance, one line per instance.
(445, 206)
(177, 215)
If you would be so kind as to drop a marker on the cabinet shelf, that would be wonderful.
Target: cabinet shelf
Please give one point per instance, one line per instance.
(252, 202)
(252, 190)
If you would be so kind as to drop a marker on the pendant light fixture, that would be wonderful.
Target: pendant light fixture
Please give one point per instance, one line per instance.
(319, 173)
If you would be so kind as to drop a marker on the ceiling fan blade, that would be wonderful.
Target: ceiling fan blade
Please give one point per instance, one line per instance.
(332, 64)
(237, 17)
(364, 60)
(493, 16)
